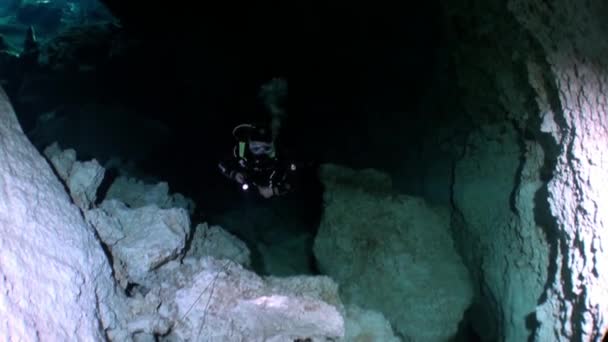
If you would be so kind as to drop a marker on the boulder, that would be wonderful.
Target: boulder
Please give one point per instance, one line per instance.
(55, 278)
(62, 160)
(367, 325)
(142, 239)
(219, 300)
(216, 242)
(136, 193)
(395, 256)
(82, 178)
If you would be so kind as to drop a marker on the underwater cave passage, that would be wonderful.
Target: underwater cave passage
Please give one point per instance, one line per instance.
(408, 154)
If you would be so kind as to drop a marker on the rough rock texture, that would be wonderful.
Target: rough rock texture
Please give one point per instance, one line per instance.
(209, 296)
(221, 301)
(218, 243)
(55, 280)
(143, 238)
(360, 325)
(62, 160)
(573, 102)
(395, 256)
(533, 75)
(81, 178)
(366, 325)
(136, 193)
(494, 187)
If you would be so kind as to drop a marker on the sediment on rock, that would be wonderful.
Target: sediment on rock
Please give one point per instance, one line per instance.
(383, 256)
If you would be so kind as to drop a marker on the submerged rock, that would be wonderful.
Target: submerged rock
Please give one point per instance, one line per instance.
(221, 301)
(367, 325)
(62, 160)
(142, 239)
(494, 195)
(136, 194)
(531, 183)
(81, 178)
(395, 255)
(218, 243)
(570, 91)
(55, 278)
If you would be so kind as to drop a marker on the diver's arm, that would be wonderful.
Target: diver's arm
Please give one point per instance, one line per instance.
(230, 169)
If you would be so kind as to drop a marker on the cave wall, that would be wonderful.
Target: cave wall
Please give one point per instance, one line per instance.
(497, 172)
(529, 188)
(572, 99)
(55, 278)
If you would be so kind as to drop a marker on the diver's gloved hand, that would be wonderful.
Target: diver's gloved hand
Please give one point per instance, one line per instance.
(266, 192)
(239, 178)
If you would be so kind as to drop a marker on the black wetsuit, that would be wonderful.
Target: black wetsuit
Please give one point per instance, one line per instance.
(264, 172)
(261, 170)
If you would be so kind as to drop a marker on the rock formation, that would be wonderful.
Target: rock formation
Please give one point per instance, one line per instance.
(183, 295)
(141, 239)
(570, 91)
(215, 241)
(60, 284)
(530, 182)
(82, 178)
(55, 279)
(395, 255)
(136, 193)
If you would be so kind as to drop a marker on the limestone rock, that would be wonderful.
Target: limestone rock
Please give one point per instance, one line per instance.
(85, 178)
(322, 288)
(55, 278)
(571, 94)
(82, 178)
(218, 243)
(395, 256)
(142, 238)
(136, 193)
(495, 184)
(218, 300)
(108, 227)
(536, 254)
(367, 325)
(62, 160)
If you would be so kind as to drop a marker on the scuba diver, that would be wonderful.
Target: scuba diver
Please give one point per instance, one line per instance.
(256, 163)
(255, 160)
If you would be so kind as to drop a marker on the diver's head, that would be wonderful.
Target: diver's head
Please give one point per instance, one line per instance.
(260, 148)
(260, 142)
